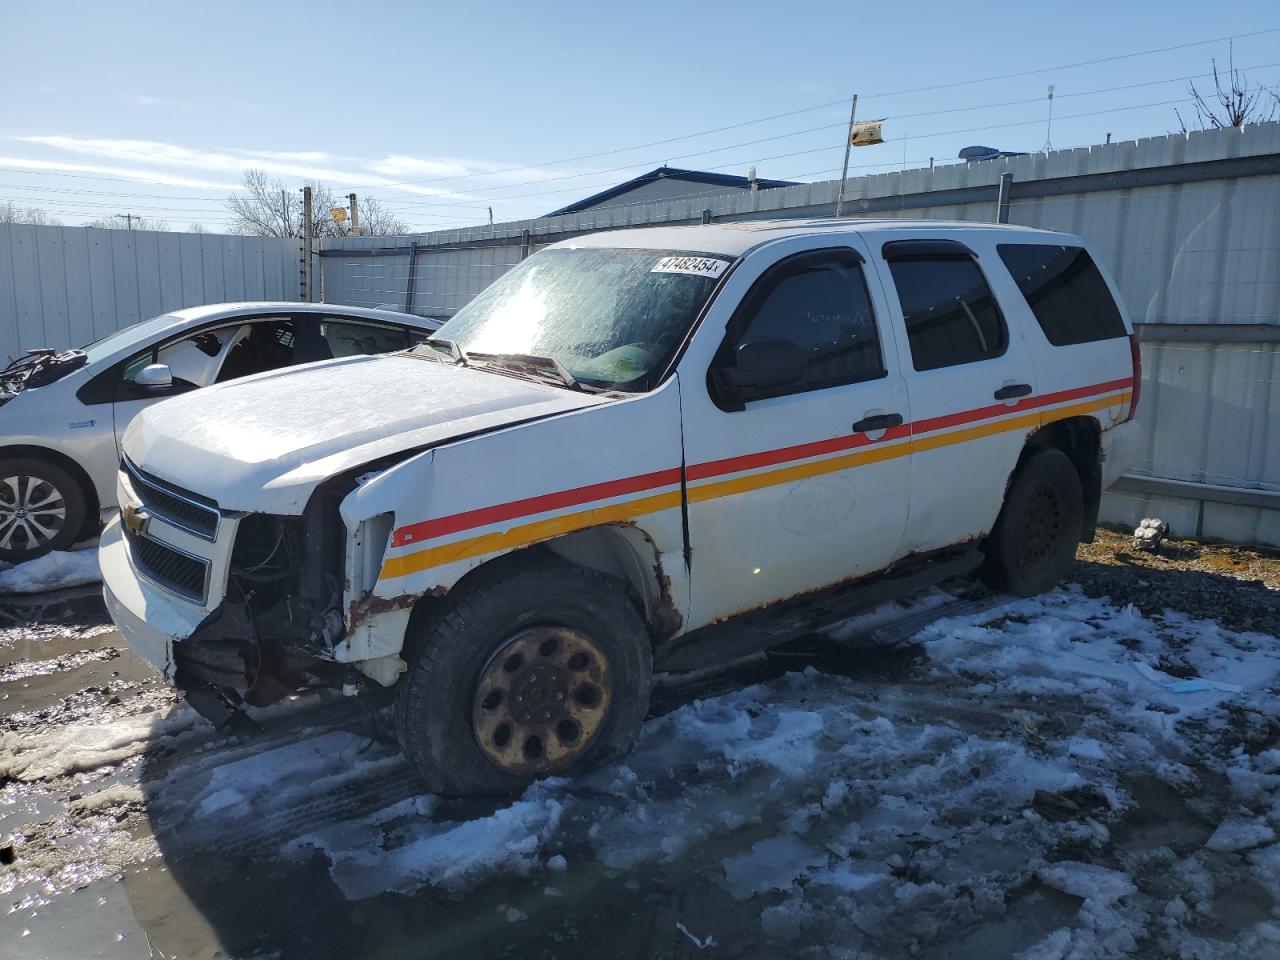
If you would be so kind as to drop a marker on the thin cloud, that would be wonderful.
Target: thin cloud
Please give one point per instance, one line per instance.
(148, 175)
(389, 172)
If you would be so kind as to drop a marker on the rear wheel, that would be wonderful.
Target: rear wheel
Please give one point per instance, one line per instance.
(539, 667)
(42, 508)
(1034, 541)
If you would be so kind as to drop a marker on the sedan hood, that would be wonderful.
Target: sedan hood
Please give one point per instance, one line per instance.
(262, 444)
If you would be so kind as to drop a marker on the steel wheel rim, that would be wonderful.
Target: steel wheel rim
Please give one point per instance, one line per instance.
(1045, 519)
(32, 512)
(541, 701)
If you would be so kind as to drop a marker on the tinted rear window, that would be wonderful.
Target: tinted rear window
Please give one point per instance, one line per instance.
(1066, 292)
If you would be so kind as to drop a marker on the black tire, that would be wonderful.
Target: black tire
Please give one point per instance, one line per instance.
(61, 508)
(455, 648)
(1034, 541)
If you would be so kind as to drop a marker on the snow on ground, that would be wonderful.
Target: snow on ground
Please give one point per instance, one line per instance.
(53, 571)
(894, 815)
(78, 747)
(1043, 782)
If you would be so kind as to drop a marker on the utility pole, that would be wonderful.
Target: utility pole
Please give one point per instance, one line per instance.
(306, 245)
(355, 215)
(848, 145)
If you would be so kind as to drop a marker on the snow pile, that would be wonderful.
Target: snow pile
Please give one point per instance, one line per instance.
(78, 747)
(395, 851)
(53, 571)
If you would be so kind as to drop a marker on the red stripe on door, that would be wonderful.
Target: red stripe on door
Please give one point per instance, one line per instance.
(1027, 403)
(455, 523)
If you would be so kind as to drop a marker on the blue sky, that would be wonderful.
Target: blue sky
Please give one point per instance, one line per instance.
(442, 110)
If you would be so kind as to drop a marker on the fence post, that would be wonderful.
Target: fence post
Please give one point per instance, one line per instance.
(524, 244)
(413, 276)
(706, 215)
(307, 234)
(1002, 197)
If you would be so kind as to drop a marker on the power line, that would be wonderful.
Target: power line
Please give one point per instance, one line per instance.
(827, 127)
(842, 101)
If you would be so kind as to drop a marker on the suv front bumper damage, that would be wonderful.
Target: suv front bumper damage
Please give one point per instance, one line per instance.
(149, 620)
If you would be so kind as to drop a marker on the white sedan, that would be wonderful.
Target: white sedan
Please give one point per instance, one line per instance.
(62, 414)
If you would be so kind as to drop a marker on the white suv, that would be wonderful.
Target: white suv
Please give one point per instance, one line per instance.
(641, 450)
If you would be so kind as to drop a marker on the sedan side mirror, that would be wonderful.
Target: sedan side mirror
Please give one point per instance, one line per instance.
(761, 368)
(154, 375)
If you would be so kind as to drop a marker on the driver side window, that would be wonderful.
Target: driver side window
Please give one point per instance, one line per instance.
(818, 302)
(193, 362)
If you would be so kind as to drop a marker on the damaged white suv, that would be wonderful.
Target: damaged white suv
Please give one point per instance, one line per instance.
(642, 450)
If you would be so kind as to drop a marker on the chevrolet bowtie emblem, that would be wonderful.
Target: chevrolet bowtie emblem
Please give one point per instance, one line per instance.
(134, 518)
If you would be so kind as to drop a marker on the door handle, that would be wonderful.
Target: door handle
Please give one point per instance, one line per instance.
(880, 421)
(1013, 391)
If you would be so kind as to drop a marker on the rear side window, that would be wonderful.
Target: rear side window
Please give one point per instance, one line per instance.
(1066, 292)
(819, 302)
(951, 315)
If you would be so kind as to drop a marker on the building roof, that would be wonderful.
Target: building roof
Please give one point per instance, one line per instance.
(669, 173)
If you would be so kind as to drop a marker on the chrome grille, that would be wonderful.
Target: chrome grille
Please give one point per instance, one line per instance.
(189, 511)
(168, 567)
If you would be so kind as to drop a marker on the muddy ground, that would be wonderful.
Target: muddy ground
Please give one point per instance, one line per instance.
(1093, 773)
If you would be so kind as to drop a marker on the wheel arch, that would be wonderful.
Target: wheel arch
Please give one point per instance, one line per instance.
(1080, 438)
(59, 459)
(621, 551)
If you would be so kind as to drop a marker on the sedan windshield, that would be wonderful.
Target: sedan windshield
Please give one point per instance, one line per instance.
(134, 333)
(608, 317)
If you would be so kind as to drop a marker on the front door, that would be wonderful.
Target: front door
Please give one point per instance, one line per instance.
(806, 484)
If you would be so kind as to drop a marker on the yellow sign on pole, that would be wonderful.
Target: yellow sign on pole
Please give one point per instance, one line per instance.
(338, 213)
(866, 133)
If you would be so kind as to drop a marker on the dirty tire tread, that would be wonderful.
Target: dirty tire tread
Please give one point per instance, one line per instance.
(72, 492)
(1006, 567)
(449, 762)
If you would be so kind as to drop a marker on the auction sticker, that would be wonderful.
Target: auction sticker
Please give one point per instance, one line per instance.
(698, 266)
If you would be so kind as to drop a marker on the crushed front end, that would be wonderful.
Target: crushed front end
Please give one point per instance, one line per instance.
(234, 608)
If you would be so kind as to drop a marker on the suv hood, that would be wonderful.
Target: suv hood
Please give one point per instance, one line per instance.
(262, 444)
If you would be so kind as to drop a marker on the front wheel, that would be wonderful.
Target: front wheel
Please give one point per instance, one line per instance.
(1034, 541)
(42, 508)
(537, 667)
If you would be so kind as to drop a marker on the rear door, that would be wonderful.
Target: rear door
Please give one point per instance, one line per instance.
(1084, 364)
(807, 485)
(968, 370)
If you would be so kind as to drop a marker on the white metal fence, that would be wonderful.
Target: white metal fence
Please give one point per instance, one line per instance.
(64, 286)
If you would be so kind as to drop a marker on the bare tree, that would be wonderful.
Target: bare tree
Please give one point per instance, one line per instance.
(194, 227)
(267, 208)
(1233, 102)
(128, 221)
(13, 214)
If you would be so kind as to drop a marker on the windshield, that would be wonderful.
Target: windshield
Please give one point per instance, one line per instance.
(610, 317)
(122, 338)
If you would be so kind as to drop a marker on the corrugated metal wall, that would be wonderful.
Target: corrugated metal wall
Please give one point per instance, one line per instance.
(1185, 223)
(64, 286)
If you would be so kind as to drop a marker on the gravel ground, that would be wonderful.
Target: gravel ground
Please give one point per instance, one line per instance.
(1235, 585)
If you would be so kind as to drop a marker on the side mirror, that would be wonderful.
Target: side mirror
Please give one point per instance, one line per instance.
(154, 375)
(760, 368)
